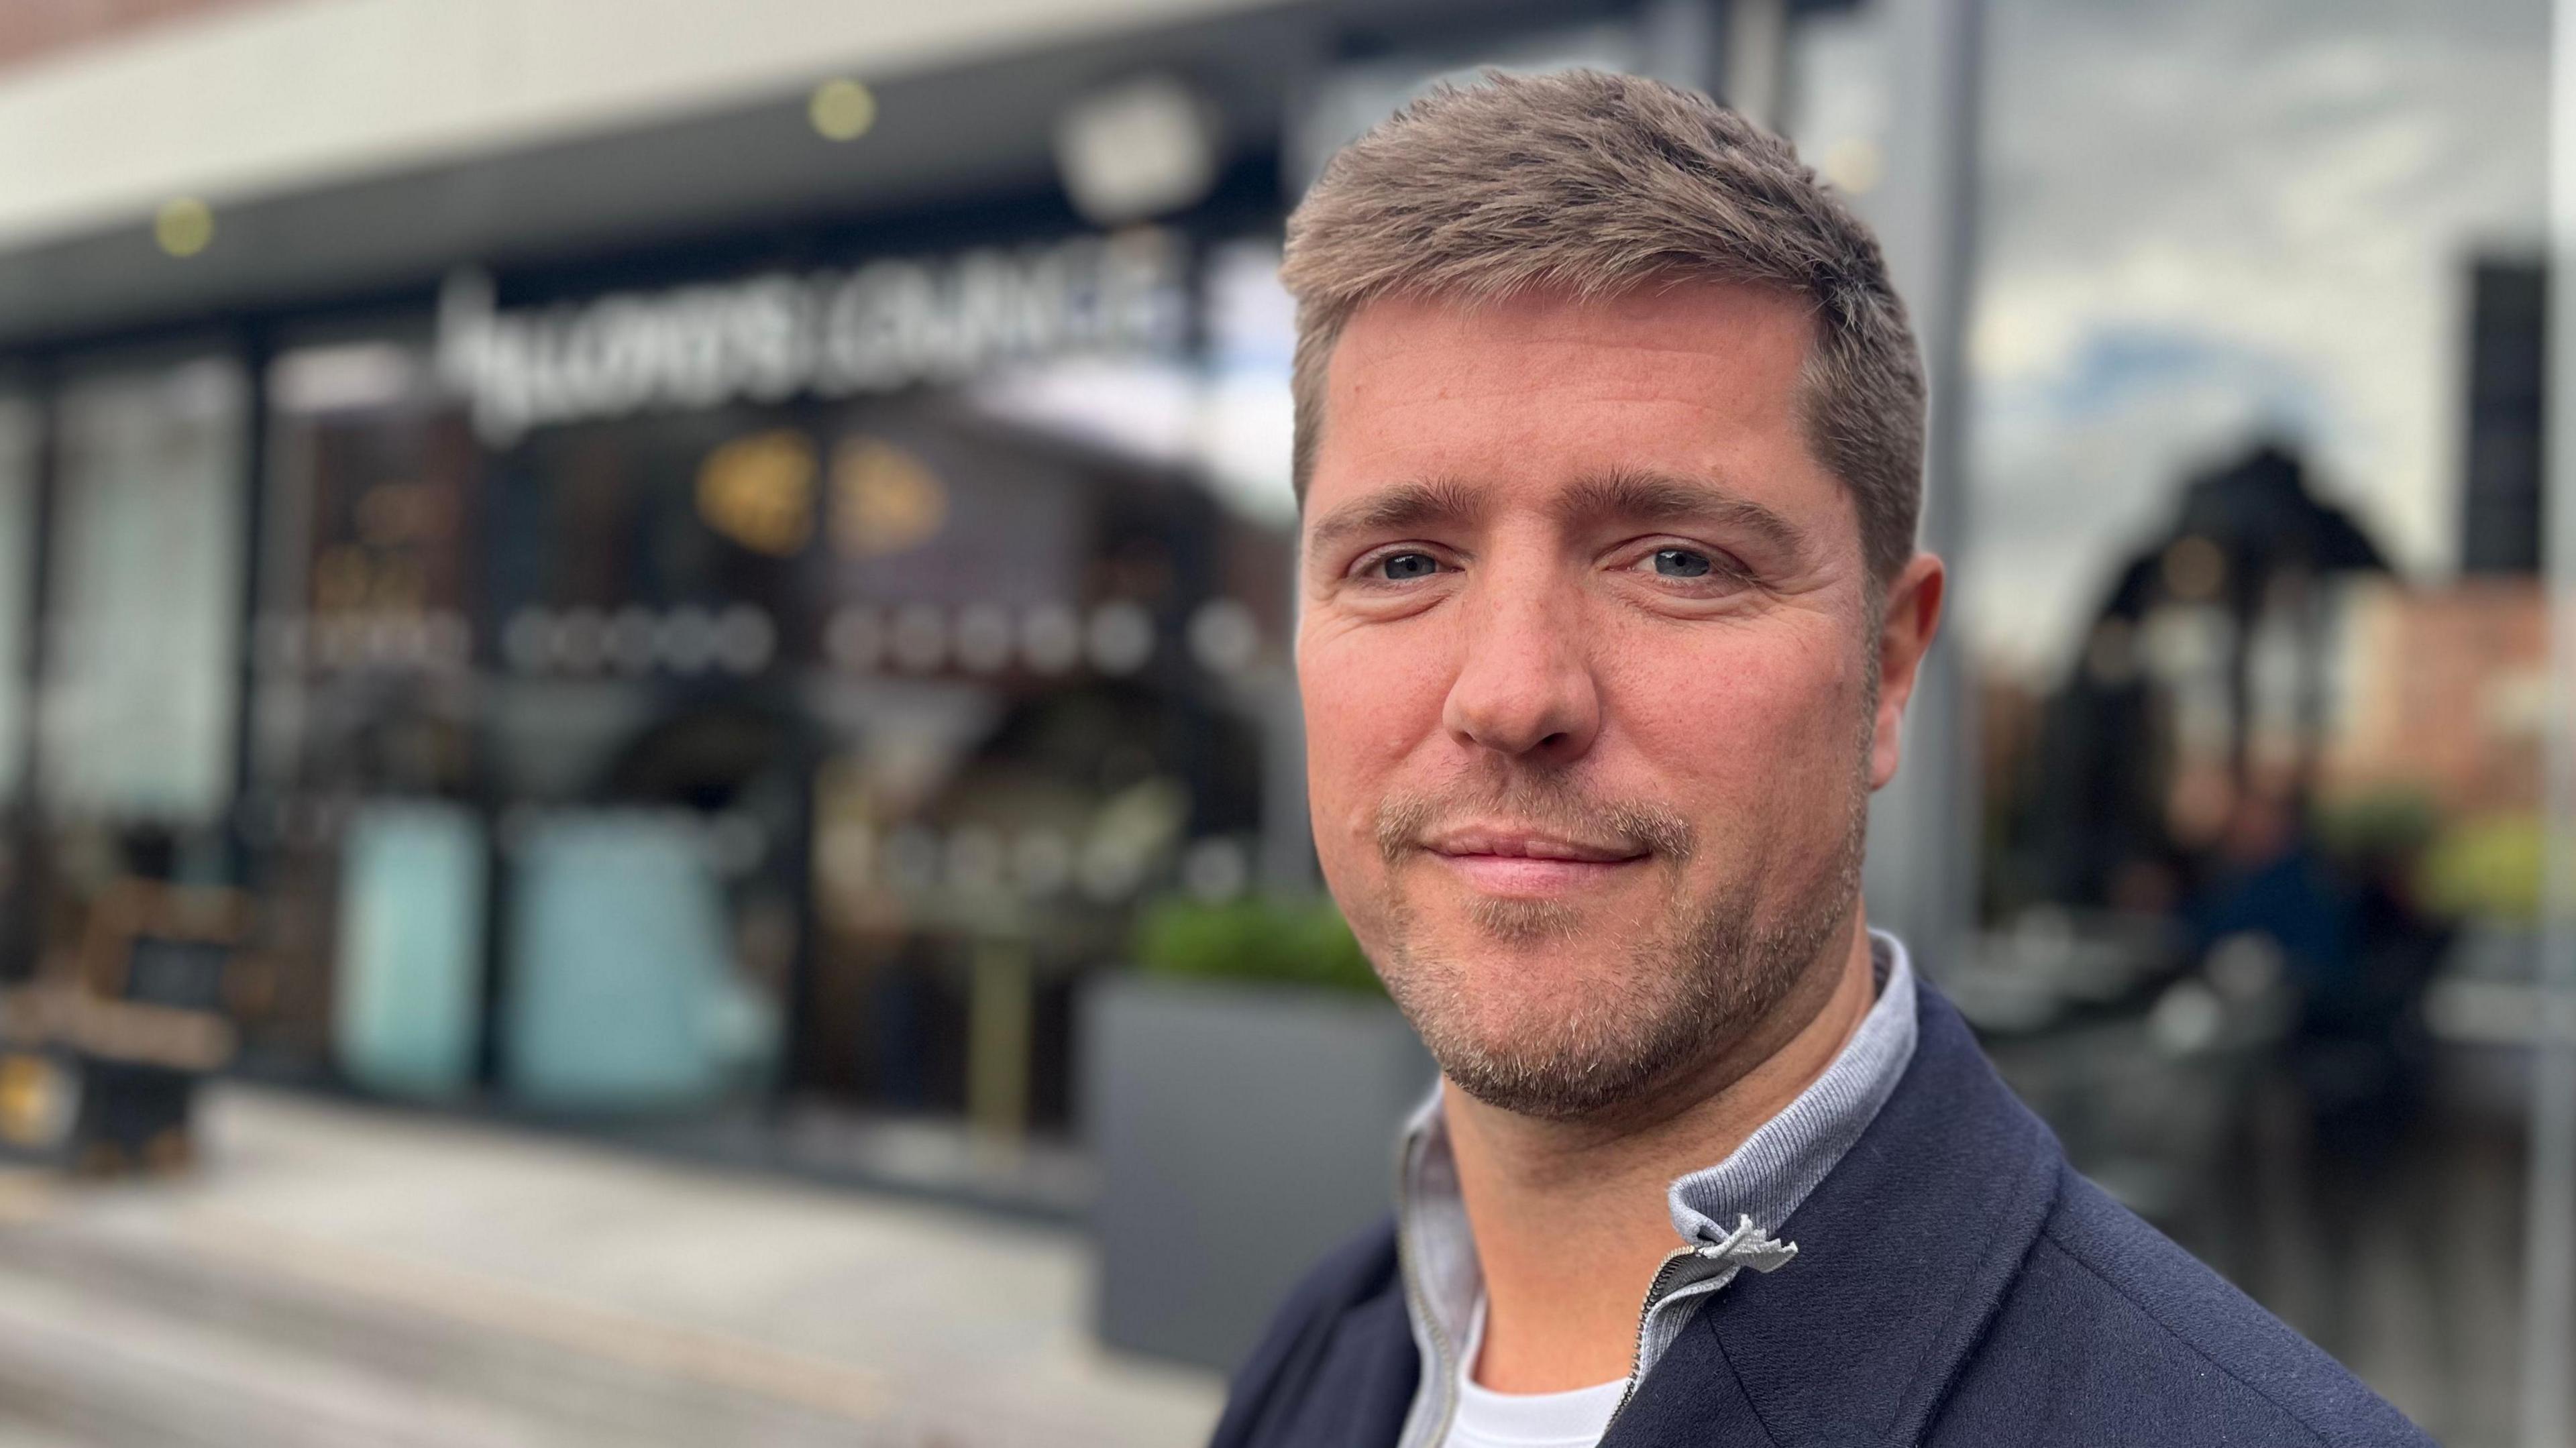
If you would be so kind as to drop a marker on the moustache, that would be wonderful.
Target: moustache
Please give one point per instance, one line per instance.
(1540, 804)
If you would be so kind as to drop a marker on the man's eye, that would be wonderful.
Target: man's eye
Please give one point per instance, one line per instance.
(1682, 563)
(1404, 567)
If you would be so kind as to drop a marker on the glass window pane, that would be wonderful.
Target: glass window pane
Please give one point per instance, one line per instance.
(2254, 361)
(20, 435)
(146, 594)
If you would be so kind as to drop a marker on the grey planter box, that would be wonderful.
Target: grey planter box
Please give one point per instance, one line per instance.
(1242, 1131)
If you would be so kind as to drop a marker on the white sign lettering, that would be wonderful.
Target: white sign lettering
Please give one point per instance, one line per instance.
(882, 326)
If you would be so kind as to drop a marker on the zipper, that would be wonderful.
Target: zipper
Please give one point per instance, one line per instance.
(1746, 1246)
(1656, 1291)
(1408, 1262)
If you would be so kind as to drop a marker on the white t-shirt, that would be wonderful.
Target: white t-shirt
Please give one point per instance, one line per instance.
(1488, 1419)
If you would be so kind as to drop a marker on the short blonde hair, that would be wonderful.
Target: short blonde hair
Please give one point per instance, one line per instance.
(1596, 184)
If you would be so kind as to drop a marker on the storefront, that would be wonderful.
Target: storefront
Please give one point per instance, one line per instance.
(825, 711)
(698, 692)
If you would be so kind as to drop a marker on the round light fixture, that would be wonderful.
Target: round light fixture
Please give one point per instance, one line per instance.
(1139, 149)
(184, 226)
(841, 109)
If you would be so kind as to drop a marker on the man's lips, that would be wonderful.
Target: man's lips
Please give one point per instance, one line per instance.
(1527, 845)
(1506, 861)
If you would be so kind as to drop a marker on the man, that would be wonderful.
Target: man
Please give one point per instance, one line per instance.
(1609, 431)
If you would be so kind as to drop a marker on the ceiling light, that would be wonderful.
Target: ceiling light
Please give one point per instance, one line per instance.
(1138, 149)
(842, 109)
(184, 226)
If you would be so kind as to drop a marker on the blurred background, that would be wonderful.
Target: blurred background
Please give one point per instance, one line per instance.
(652, 788)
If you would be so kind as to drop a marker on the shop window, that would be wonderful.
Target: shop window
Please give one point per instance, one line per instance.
(2247, 723)
(138, 716)
(20, 425)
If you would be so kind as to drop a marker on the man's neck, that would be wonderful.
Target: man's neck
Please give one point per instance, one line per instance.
(1569, 1217)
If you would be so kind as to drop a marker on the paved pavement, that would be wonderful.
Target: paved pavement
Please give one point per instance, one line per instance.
(345, 1277)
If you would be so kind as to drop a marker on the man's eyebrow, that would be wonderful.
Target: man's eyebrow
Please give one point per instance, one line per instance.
(1402, 508)
(1650, 497)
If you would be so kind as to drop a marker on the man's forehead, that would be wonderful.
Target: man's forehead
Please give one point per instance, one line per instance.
(1652, 403)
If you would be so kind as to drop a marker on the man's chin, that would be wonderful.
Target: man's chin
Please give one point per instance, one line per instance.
(1506, 922)
(1537, 1007)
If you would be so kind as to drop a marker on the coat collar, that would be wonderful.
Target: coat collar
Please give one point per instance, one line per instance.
(1907, 1249)
(1759, 1185)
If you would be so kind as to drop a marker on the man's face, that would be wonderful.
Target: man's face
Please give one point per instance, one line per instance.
(1590, 681)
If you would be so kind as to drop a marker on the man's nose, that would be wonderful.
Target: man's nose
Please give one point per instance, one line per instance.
(1525, 686)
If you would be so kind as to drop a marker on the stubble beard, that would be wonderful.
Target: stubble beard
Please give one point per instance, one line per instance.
(1711, 972)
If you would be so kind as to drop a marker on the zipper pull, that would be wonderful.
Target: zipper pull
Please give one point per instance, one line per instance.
(1749, 1246)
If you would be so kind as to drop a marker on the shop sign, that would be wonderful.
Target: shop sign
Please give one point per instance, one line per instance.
(766, 338)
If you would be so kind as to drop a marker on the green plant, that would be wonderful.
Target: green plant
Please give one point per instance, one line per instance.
(2487, 867)
(2393, 822)
(1300, 942)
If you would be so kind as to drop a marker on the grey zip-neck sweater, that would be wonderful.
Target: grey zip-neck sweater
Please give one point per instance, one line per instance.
(1723, 1214)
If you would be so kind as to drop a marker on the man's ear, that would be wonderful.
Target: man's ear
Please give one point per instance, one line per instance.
(1912, 617)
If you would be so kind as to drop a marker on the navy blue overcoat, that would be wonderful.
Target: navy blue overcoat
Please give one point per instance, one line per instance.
(1957, 1284)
